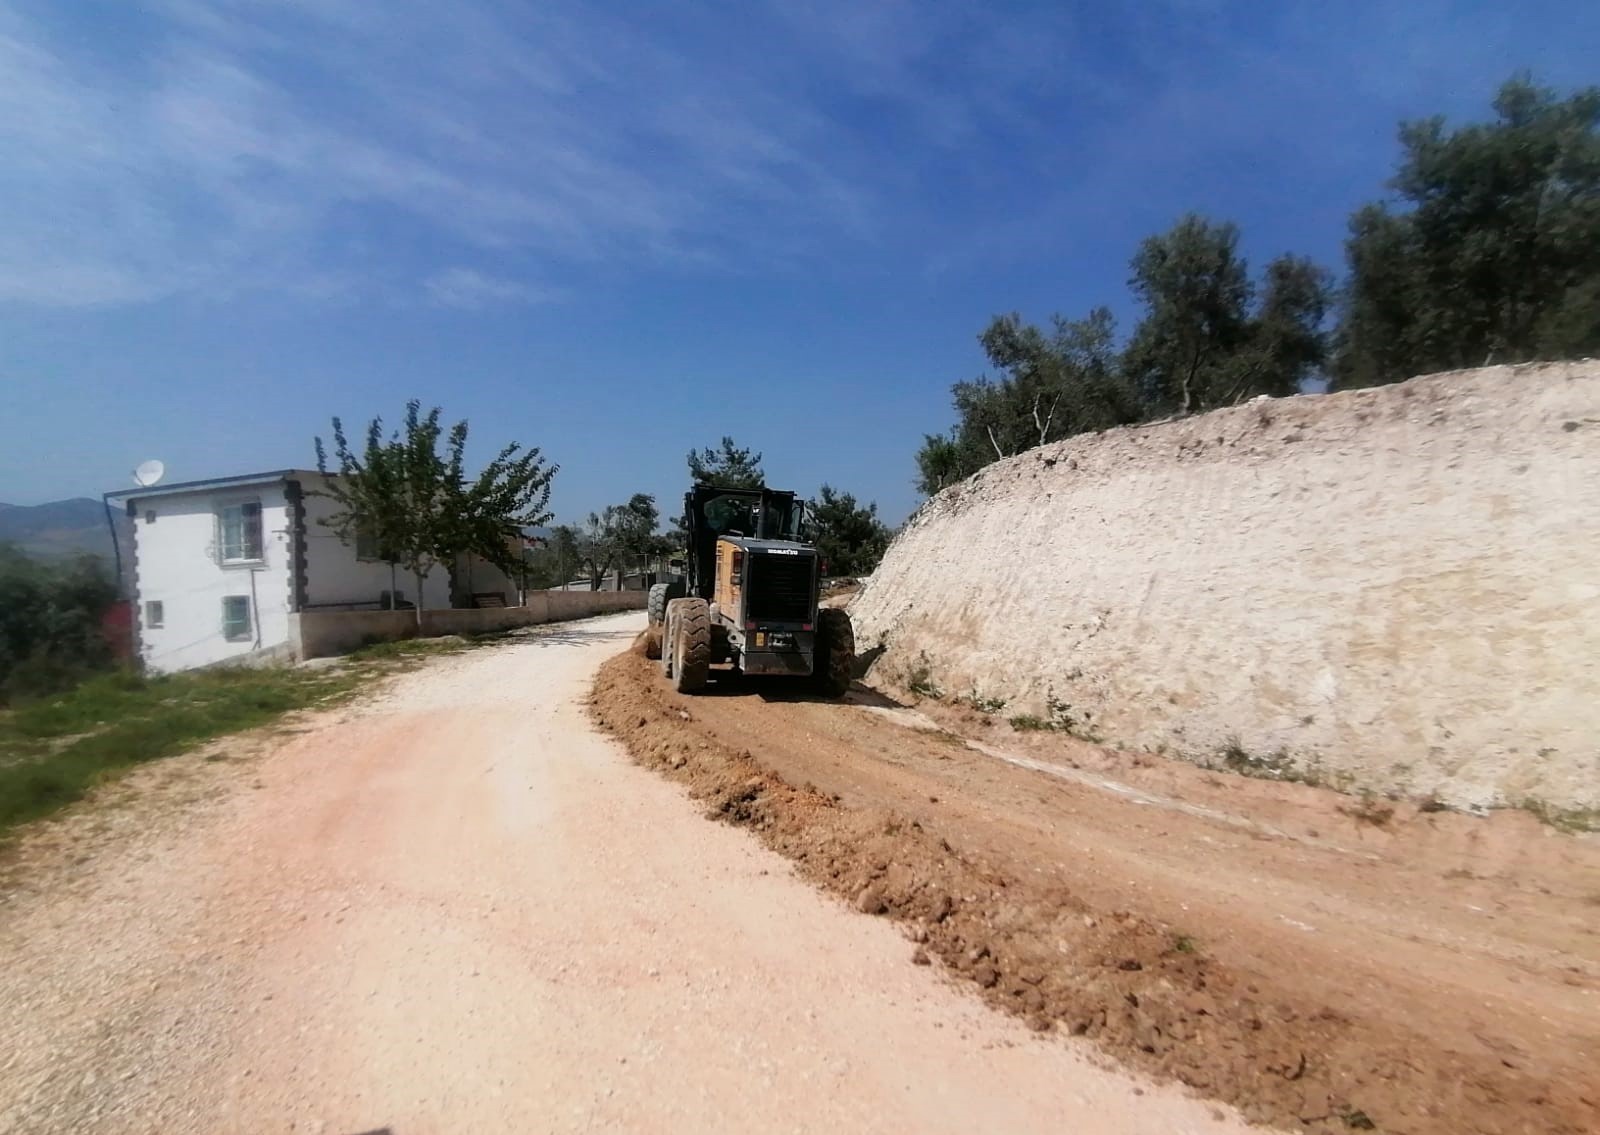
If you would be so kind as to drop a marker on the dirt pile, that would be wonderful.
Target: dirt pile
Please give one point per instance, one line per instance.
(1382, 589)
(1035, 945)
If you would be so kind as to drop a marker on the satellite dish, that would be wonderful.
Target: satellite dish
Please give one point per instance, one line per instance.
(149, 473)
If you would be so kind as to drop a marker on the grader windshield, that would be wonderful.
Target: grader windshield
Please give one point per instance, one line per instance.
(711, 512)
(739, 514)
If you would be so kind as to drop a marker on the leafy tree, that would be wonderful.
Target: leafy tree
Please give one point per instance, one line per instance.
(939, 462)
(727, 467)
(1204, 342)
(849, 537)
(1196, 293)
(1288, 343)
(50, 622)
(620, 532)
(551, 561)
(1490, 251)
(420, 508)
(1201, 345)
(566, 541)
(1055, 386)
(677, 535)
(1051, 386)
(539, 569)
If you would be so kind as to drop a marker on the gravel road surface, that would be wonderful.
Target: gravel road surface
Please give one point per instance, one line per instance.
(455, 907)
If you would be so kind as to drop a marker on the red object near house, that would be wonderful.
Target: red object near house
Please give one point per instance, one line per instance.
(116, 626)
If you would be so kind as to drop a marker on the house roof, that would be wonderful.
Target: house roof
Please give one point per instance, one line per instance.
(140, 492)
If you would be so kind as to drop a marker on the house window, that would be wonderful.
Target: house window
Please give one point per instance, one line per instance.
(236, 618)
(155, 613)
(239, 533)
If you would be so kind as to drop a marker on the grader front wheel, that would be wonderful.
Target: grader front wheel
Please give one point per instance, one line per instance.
(656, 603)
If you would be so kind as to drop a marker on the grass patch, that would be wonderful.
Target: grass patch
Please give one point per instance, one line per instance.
(410, 648)
(1185, 944)
(982, 703)
(920, 680)
(54, 750)
(1573, 821)
(1061, 719)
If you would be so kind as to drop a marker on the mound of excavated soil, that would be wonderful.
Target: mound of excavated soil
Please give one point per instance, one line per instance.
(1034, 944)
(1388, 589)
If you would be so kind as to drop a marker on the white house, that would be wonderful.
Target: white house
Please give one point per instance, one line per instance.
(220, 565)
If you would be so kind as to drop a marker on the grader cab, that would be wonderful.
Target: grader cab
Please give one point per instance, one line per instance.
(747, 602)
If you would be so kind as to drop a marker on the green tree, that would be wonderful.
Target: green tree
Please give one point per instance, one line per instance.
(418, 506)
(849, 537)
(1051, 386)
(50, 622)
(617, 535)
(566, 541)
(727, 467)
(1196, 293)
(1489, 251)
(552, 560)
(1203, 343)
(939, 462)
(555, 560)
(539, 569)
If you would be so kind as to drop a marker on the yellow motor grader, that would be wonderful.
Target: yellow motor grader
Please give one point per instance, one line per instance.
(747, 601)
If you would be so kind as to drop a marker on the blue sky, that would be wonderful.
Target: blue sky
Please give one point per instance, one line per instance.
(619, 230)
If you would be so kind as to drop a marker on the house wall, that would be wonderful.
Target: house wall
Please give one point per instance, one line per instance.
(477, 576)
(334, 575)
(176, 565)
(318, 634)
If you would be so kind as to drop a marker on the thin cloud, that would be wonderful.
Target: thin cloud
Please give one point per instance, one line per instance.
(253, 142)
(471, 290)
(313, 147)
(249, 145)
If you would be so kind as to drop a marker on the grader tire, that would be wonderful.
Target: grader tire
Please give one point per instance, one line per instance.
(668, 631)
(656, 605)
(691, 645)
(836, 653)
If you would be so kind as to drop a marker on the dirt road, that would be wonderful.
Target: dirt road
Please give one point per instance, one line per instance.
(454, 907)
(1319, 960)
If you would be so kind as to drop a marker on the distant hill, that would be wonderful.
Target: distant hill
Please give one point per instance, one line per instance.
(58, 529)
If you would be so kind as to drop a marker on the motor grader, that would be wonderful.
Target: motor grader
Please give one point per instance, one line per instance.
(747, 599)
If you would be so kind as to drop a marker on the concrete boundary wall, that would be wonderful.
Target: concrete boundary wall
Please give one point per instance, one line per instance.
(318, 634)
(1394, 589)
